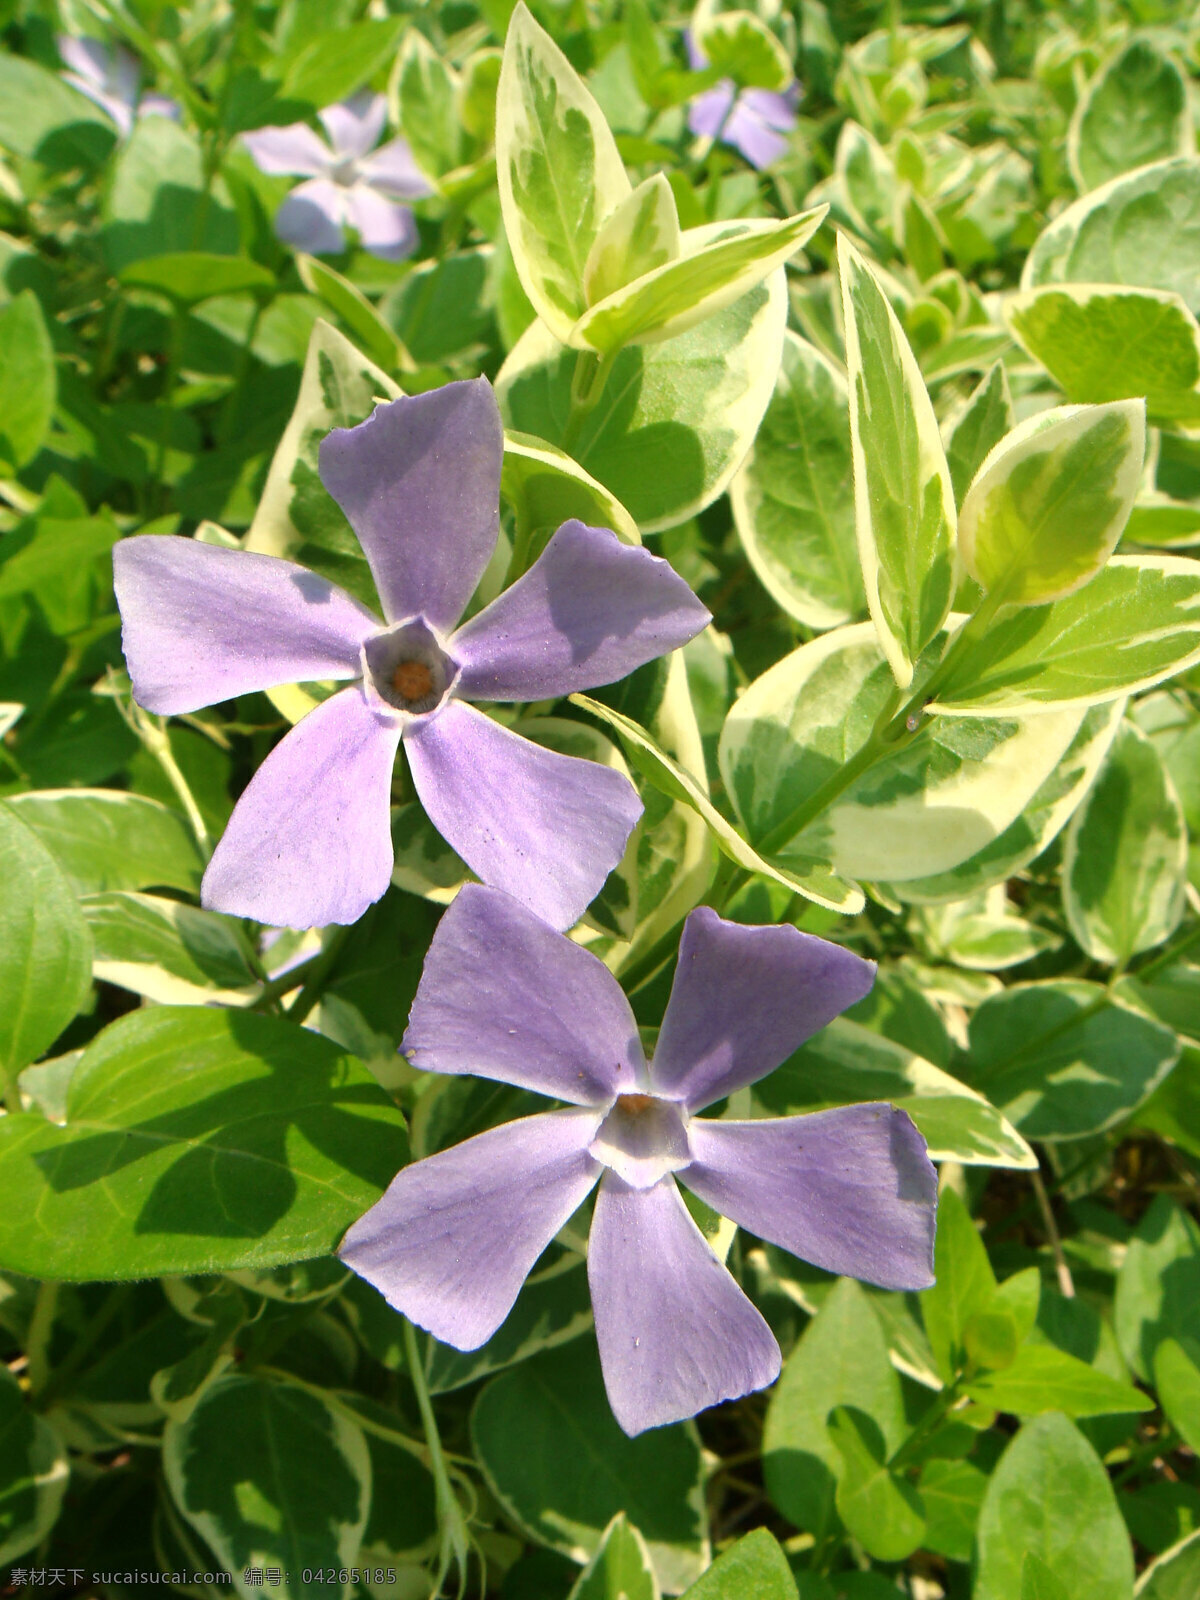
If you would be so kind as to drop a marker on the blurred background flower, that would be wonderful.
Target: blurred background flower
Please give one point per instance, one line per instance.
(110, 75)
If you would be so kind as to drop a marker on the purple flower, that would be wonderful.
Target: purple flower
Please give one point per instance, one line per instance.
(110, 78)
(454, 1237)
(350, 182)
(756, 121)
(309, 841)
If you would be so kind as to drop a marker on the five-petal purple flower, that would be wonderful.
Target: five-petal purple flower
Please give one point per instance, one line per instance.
(309, 842)
(504, 997)
(350, 182)
(110, 76)
(754, 121)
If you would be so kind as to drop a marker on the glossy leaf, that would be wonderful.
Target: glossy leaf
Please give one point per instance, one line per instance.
(879, 1507)
(641, 235)
(33, 1472)
(964, 1284)
(755, 1565)
(190, 276)
(620, 1568)
(904, 499)
(1043, 1378)
(196, 1140)
(28, 384)
(168, 952)
(546, 487)
(1158, 1285)
(1174, 1575)
(107, 840)
(340, 60)
(984, 420)
(1135, 111)
(1177, 1381)
(427, 92)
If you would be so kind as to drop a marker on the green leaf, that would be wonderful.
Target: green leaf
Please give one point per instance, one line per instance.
(755, 1565)
(340, 60)
(705, 278)
(995, 1332)
(1051, 1496)
(1142, 229)
(952, 1493)
(546, 487)
(640, 235)
(196, 1140)
(1125, 858)
(374, 336)
(880, 1508)
(1177, 1380)
(621, 1568)
(553, 1455)
(269, 1473)
(33, 1472)
(1043, 1378)
(674, 420)
(1175, 1574)
(558, 169)
(104, 839)
(1047, 507)
(1136, 623)
(847, 1063)
(740, 47)
(1038, 1582)
(1111, 344)
(1061, 1062)
(552, 1308)
(963, 1284)
(444, 310)
(980, 426)
(427, 89)
(190, 276)
(28, 381)
(841, 1359)
(1040, 822)
(296, 516)
(1158, 1284)
(43, 117)
(940, 799)
(157, 202)
(45, 947)
(1135, 111)
(793, 499)
(904, 499)
(168, 952)
(810, 880)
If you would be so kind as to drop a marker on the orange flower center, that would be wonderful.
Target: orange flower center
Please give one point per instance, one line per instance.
(635, 1102)
(412, 680)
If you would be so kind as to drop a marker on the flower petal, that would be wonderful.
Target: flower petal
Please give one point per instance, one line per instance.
(386, 228)
(392, 170)
(676, 1334)
(708, 112)
(159, 105)
(354, 126)
(545, 827)
(310, 218)
(851, 1190)
(87, 57)
(743, 999)
(419, 481)
(758, 140)
(455, 1236)
(589, 611)
(309, 842)
(201, 624)
(294, 151)
(117, 109)
(504, 996)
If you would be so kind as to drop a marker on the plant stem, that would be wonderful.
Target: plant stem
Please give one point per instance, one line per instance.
(153, 733)
(587, 385)
(930, 1419)
(1066, 1283)
(41, 1326)
(320, 974)
(455, 1541)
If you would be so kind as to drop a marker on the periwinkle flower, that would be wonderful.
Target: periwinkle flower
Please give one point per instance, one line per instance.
(504, 997)
(109, 76)
(350, 182)
(309, 842)
(755, 122)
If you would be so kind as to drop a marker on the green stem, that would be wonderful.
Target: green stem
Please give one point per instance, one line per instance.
(931, 1418)
(455, 1540)
(322, 970)
(1066, 1284)
(153, 733)
(587, 385)
(41, 1326)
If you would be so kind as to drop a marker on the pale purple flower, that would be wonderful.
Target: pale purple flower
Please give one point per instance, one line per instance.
(504, 997)
(755, 121)
(350, 182)
(309, 842)
(109, 76)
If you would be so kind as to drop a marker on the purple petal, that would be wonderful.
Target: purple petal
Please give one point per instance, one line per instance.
(455, 1236)
(588, 611)
(743, 999)
(851, 1190)
(201, 624)
(697, 60)
(294, 151)
(504, 996)
(708, 111)
(419, 481)
(777, 110)
(747, 131)
(354, 126)
(116, 108)
(392, 170)
(309, 842)
(86, 57)
(159, 105)
(310, 218)
(676, 1334)
(124, 75)
(545, 827)
(386, 229)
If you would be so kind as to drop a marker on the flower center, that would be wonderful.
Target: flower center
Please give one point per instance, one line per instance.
(642, 1139)
(412, 680)
(345, 173)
